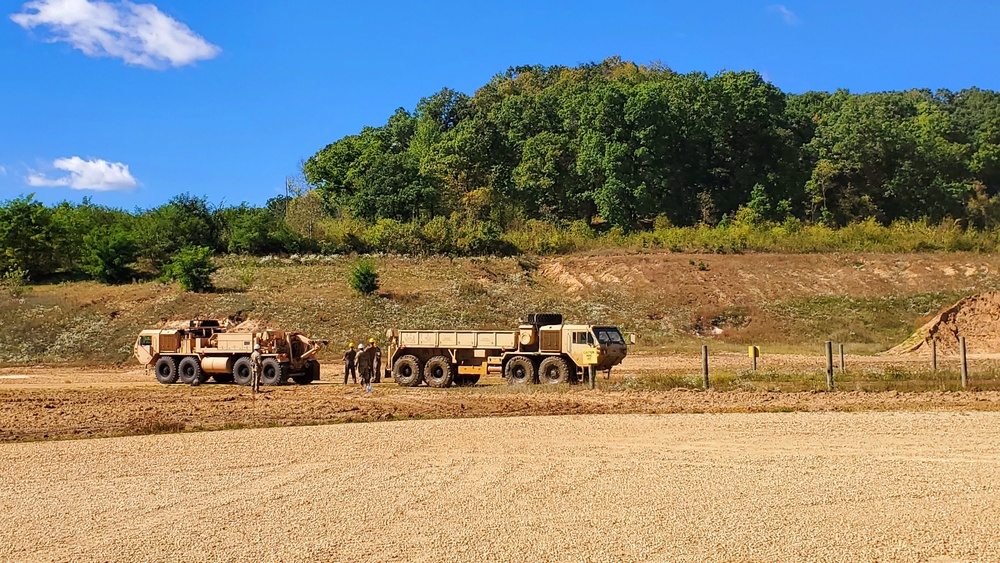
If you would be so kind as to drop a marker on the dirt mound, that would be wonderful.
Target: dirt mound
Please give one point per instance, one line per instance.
(977, 318)
(248, 325)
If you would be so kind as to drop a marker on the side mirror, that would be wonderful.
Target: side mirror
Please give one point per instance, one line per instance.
(632, 338)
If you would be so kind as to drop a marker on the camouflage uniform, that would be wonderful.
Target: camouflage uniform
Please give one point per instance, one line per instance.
(256, 359)
(349, 365)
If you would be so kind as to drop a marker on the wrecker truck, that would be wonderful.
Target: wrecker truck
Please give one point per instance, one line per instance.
(205, 348)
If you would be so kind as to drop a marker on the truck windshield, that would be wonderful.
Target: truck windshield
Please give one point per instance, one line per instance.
(609, 335)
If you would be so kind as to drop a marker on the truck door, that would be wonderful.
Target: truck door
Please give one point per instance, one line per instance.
(582, 340)
(144, 349)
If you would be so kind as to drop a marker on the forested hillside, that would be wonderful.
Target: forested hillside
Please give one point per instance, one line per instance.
(555, 159)
(629, 143)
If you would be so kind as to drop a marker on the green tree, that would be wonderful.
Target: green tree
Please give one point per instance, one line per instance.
(108, 254)
(184, 221)
(364, 277)
(27, 238)
(192, 267)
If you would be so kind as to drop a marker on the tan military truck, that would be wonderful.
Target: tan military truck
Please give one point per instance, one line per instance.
(204, 348)
(542, 350)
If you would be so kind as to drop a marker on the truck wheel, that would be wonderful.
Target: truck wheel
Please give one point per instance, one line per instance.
(166, 370)
(438, 372)
(222, 377)
(519, 371)
(406, 371)
(241, 371)
(189, 371)
(311, 374)
(553, 370)
(273, 372)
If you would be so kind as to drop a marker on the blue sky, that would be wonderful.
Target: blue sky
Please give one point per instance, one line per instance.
(133, 103)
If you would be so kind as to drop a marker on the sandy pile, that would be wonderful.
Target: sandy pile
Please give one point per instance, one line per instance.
(231, 324)
(977, 318)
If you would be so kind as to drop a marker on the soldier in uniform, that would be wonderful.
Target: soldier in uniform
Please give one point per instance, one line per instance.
(376, 359)
(349, 357)
(256, 361)
(365, 366)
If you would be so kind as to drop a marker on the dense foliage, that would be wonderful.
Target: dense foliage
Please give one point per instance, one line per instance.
(626, 144)
(556, 159)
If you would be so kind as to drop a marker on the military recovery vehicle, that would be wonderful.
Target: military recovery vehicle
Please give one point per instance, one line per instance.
(205, 348)
(542, 350)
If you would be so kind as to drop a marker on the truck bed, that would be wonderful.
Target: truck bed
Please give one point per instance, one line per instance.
(468, 339)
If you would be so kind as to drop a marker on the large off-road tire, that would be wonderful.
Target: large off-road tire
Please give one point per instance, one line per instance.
(438, 372)
(553, 370)
(311, 374)
(166, 370)
(466, 380)
(242, 372)
(520, 370)
(189, 371)
(406, 371)
(223, 377)
(273, 372)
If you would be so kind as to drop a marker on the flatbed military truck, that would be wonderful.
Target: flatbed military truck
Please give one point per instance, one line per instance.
(205, 348)
(542, 350)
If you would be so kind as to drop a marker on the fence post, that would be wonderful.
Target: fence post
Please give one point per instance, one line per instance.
(934, 355)
(704, 365)
(843, 368)
(829, 365)
(965, 364)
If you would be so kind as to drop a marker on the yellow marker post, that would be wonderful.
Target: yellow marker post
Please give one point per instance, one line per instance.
(753, 352)
(590, 361)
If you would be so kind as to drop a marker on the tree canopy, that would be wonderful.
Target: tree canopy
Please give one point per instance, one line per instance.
(622, 144)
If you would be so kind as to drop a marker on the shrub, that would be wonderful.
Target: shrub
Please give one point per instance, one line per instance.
(437, 236)
(389, 235)
(108, 255)
(247, 271)
(192, 267)
(364, 278)
(12, 282)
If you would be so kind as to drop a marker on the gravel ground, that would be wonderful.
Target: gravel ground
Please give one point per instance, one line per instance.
(819, 486)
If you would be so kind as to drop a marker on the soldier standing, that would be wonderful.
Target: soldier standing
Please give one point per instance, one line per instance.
(376, 359)
(256, 359)
(349, 357)
(365, 366)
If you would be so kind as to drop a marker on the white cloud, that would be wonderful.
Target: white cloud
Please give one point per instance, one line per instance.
(3, 171)
(787, 15)
(139, 34)
(95, 174)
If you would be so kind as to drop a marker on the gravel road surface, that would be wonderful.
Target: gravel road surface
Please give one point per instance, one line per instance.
(820, 486)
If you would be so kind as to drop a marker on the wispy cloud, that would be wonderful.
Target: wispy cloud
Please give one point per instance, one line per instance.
(786, 15)
(95, 174)
(139, 34)
(3, 171)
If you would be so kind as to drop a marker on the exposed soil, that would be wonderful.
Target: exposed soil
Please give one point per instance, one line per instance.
(809, 487)
(67, 402)
(872, 300)
(977, 318)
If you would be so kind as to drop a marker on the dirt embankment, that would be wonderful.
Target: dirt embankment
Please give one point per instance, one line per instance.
(664, 297)
(977, 318)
